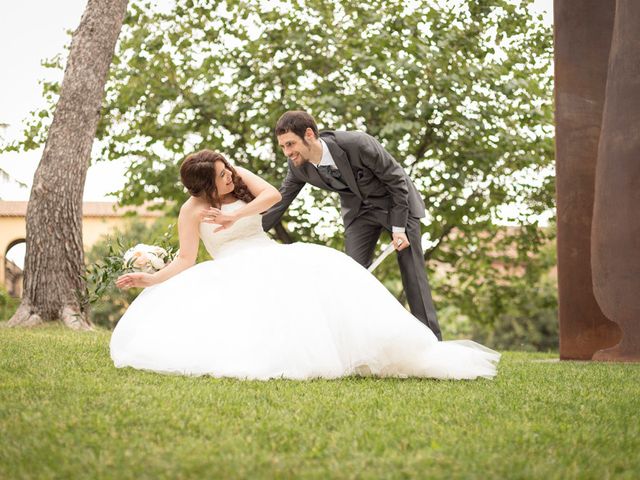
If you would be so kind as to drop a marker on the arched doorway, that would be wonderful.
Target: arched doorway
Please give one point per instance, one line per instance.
(14, 267)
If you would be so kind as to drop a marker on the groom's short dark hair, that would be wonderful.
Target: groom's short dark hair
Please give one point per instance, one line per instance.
(296, 121)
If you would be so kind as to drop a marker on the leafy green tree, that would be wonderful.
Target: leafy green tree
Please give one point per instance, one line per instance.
(518, 311)
(460, 95)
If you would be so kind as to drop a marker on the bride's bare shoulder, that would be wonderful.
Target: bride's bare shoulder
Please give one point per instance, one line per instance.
(192, 207)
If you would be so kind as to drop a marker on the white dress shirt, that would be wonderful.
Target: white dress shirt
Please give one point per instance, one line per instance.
(327, 159)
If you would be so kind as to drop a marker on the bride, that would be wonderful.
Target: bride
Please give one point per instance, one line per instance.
(265, 310)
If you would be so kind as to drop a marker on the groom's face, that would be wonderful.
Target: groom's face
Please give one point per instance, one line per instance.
(296, 149)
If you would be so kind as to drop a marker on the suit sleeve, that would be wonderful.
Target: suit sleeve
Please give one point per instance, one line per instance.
(289, 190)
(391, 174)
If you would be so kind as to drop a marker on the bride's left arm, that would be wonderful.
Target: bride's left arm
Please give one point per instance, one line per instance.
(266, 196)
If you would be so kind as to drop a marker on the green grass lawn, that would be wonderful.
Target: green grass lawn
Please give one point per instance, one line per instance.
(66, 412)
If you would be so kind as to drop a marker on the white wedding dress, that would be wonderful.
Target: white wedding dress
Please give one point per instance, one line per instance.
(264, 310)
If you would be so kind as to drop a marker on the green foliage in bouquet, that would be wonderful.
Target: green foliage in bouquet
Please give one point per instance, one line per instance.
(98, 276)
(106, 263)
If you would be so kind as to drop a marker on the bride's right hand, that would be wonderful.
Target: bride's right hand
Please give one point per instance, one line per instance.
(134, 280)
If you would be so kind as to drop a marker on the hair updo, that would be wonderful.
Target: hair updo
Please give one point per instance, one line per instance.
(198, 175)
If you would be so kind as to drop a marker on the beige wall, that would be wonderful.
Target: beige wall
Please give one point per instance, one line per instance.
(11, 229)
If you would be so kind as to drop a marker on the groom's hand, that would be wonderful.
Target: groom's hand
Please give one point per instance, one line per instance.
(400, 241)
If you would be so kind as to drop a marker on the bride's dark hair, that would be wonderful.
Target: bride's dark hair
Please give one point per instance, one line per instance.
(198, 175)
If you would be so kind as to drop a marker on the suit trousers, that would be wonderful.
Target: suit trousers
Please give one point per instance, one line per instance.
(361, 237)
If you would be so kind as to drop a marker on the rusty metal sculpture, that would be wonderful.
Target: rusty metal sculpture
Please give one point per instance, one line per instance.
(615, 237)
(597, 57)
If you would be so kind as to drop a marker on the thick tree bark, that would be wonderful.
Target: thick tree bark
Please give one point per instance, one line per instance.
(54, 256)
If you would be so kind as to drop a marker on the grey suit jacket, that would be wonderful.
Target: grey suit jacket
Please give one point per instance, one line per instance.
(374, 178)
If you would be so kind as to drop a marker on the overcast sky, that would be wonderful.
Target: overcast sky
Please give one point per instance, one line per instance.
(30, 31)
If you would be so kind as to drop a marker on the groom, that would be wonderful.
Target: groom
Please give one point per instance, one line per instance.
(375, 194)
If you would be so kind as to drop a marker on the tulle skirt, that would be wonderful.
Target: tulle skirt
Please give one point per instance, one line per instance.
(295, 311)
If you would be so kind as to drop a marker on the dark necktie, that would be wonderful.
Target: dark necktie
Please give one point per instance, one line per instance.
(332, 177)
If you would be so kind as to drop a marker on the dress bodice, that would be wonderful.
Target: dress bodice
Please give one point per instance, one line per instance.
(245, 233)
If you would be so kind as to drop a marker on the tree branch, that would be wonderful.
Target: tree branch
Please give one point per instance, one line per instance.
(444, 234)
(427, 138)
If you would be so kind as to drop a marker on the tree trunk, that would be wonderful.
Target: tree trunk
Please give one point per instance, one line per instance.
(54, 255)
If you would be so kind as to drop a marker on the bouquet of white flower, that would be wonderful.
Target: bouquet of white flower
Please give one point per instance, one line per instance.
(100, 275)
(145, 258)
